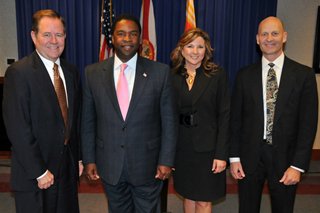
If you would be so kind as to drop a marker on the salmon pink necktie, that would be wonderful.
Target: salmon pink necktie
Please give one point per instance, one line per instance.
(123, 91)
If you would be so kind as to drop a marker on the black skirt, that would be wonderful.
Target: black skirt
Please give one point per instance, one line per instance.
(193, 177)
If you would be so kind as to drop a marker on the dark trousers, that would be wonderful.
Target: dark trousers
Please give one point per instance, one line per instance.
(251, 187)
(125, 197)
(61, 197)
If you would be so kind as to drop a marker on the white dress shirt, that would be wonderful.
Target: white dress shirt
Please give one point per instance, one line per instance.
(129, 72)
(278, 64)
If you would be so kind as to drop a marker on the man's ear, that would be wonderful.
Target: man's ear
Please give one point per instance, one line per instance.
(285, 35)
(33, 36)
(257, 38)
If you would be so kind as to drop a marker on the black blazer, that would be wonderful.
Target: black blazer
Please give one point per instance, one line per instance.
(34, 121)
(146, 138)
(211, 107)
(295, 121)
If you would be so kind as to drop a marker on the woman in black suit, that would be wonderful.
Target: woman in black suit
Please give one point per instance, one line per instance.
(203, 99)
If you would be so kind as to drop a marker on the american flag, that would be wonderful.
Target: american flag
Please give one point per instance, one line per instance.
(107, 17)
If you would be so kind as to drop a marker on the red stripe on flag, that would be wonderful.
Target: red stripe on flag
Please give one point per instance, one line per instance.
(145, 30)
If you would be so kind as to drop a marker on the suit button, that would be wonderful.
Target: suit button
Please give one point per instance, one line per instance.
(122, 146)
(124, 128)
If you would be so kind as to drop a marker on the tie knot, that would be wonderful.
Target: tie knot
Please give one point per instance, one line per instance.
(123, 67)
(55, 67)
(271, 65)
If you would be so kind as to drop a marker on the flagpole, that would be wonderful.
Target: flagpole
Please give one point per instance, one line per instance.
(190, 15)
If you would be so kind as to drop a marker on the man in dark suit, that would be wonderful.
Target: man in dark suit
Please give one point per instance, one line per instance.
(273, 123)
(41, 117)
(129, 143)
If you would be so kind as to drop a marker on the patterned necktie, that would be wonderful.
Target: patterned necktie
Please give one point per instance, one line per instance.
(123, 91)
(271, 97)
(61, 94)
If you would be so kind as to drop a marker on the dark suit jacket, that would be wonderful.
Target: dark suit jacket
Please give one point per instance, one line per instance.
(145, 139)
(211, 103)
(295, 120)
(34, 121)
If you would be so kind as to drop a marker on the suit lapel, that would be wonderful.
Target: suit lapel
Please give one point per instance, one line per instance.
(179, 82)
(256, 89)
(44, 82)
(140, 81)
(70, 87)
(200, 84)
(285, 88)
(108, 81)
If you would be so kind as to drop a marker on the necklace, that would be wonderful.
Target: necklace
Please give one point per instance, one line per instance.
(190, 79)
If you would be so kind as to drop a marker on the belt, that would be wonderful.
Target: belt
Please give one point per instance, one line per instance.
(188, 119)
(265, 142)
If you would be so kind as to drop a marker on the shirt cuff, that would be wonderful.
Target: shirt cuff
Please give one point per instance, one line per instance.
(234, 159)
(296, 168)
(42, 175)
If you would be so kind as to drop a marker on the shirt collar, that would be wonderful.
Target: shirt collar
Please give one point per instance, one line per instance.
(278, 63)
(131, 63)
(48, 64)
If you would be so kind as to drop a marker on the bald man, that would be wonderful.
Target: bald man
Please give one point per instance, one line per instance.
(273, 123)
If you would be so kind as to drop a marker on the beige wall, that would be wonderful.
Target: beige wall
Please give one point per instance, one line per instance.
(299, 17)
(8, 33)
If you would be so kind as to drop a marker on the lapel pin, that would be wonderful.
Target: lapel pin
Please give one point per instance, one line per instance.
(144, 74)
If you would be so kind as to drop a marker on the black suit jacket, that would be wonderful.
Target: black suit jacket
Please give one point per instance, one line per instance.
(295, 120)
(146, 138)
(34, 121)
(211, 104)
